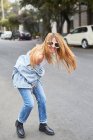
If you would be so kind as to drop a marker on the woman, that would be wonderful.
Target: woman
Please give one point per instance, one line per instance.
(27, 73)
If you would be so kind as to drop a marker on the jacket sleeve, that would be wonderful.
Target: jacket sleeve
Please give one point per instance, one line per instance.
(29, 74)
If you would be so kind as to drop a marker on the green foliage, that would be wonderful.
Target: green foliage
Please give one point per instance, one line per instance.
(6, 4)
(58, 10)
(10, 20)
(10, 23)
(13, 20)
(30, 21)
(4, 23)
(53, 10)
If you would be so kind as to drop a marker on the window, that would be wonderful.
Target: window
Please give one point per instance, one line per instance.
(92, 28)
(78, 30)
(84, 29)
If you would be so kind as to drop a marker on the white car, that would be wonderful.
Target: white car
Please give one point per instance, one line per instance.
(6, 35)
(81, 36)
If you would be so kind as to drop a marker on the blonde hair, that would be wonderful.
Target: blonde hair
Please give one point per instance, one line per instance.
(64, 53)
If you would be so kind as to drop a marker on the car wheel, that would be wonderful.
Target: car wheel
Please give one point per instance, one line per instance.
(84, 44)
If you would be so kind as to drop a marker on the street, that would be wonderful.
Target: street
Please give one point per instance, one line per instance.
(69, 97)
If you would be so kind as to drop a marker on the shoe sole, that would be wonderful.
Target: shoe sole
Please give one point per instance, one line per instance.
(20, 136)
(51, 134)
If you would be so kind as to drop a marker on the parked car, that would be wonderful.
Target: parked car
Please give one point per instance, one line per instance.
(15, 34)
(82, 36)
(6, 35)
(24, 36)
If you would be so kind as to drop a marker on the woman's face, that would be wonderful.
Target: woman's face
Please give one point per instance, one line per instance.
(53, 45)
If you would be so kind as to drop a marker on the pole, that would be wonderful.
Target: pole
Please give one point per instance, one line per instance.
(2, 9)
(3, 14)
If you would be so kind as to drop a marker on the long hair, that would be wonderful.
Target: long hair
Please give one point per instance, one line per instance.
(63, 53)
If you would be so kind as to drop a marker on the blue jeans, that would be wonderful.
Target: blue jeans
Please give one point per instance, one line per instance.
(27, 97)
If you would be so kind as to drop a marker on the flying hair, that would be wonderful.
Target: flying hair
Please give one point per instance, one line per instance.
(63, 54)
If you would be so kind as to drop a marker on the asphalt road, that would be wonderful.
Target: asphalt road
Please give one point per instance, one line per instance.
(69, 97)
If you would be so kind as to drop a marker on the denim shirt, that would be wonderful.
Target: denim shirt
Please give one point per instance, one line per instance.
(24, 75)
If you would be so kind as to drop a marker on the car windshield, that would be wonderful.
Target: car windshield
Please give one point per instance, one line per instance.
(7, 32)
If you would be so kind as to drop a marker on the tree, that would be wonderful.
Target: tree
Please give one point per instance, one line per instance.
(8, 17)
(58, 10)
(5, 23)
(6, 5)
(64, 10)
(13, 20)
(44, 12)
(29, 21)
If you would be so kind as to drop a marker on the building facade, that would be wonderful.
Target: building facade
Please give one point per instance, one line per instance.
(80, 18)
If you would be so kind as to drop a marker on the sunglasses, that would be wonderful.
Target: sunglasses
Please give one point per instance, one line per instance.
(56, 44)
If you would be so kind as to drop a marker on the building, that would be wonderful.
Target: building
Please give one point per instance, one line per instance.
(80, 18)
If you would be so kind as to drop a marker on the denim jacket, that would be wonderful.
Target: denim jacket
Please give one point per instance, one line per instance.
(24, 75)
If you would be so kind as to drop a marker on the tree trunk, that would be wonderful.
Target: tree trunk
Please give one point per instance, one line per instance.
(68, 22)
(79, 14)
(60, 23)
(46, 27)
(89, 15)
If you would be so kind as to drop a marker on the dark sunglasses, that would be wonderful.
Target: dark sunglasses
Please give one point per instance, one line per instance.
(56, 44)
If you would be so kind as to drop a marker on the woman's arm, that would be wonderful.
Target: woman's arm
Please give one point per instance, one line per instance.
(39, 59)
(29, 75)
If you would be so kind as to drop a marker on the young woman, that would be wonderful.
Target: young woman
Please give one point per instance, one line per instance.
(27, 73)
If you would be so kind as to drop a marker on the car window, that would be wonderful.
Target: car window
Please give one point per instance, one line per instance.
(92, 28)
(84, 29)
(78, 30)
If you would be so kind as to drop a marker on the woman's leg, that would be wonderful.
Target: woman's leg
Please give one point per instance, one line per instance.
(25, 111)
(41, 100)
(28, 104)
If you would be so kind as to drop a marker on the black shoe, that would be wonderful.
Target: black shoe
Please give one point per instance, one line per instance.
(19, 129)
(44, 128)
